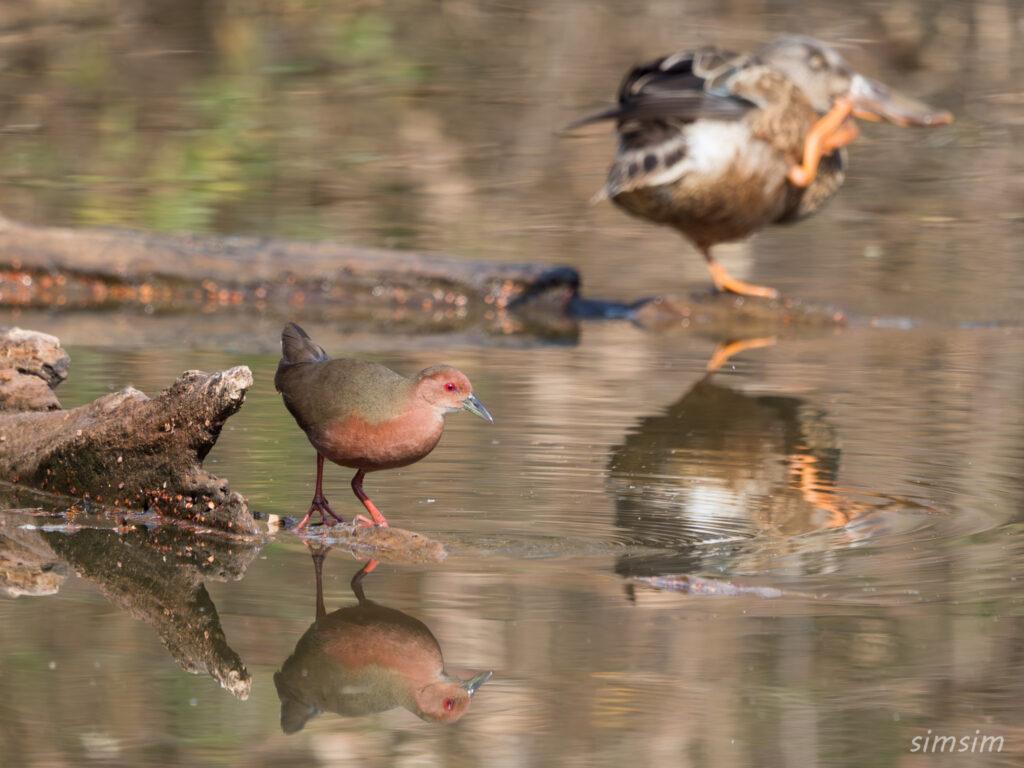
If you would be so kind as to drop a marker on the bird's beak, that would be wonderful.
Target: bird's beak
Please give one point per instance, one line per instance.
(470, 686)
(474, 406)
(874, 101)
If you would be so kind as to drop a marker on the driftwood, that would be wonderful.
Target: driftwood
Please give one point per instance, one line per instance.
(157, 576)
(125, 450)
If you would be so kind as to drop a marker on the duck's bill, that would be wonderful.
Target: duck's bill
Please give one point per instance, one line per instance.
(874, 101)
(470, 686)
(474, 406)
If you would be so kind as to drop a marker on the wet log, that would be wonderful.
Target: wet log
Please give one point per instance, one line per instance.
(406, 291)
(385, 545)
(128, 451)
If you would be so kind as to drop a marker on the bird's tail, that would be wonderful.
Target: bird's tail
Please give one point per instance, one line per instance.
(613, 112)
(297, 347)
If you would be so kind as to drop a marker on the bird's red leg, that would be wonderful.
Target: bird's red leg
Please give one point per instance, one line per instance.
(319, 503)
(822, 138)
(357, 580)
(726, 282)
(357, 488)
(319, 555)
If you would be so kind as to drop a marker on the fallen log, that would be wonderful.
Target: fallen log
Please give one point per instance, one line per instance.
(127, 451)
(352, 289)
(106, 268)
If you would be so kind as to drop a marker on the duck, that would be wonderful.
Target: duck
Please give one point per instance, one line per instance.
(718, 144)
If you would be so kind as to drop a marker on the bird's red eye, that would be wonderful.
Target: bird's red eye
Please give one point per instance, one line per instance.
(449, 704)
(449, 387)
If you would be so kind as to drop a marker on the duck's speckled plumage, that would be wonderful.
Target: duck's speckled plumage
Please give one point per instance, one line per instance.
(709, 139)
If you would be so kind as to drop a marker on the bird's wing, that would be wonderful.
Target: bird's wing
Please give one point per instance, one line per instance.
(681, 88)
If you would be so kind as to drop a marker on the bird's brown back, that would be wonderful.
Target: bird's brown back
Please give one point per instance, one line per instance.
(327, 391)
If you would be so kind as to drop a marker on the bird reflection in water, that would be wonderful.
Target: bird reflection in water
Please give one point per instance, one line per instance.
(723, 481)
(367, 658)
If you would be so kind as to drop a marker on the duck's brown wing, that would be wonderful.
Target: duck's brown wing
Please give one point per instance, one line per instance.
(681, 88)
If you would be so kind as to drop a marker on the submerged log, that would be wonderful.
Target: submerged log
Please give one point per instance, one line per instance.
(385, 545)
(128, 451)
(726, 315)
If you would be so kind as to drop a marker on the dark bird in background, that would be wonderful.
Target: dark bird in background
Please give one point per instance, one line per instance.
(718, 144)
(362, 415)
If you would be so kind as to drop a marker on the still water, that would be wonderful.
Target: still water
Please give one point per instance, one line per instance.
(813, 556)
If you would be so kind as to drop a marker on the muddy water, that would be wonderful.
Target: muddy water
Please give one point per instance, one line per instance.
(810, 557)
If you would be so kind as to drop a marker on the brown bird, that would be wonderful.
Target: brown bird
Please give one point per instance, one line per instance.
(718, 144)
(362, 415)
(368, 658)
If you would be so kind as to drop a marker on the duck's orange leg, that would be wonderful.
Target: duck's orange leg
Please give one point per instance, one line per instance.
(843, 135)
(726, 282)
(832, 131)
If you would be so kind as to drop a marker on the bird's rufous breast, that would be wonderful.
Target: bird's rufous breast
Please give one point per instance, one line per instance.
(360, 443)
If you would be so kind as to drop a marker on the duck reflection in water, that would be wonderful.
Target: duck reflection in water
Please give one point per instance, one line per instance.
(726, 481)
(367, 658)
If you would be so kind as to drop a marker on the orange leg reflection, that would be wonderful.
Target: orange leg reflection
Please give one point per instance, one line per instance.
(319, 554)
(357, 580)
(841, 510)
(727, 349)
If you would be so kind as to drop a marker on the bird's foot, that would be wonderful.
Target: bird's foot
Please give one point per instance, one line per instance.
(319, 504)
(726, 283)
(363, 521)
(748, 289)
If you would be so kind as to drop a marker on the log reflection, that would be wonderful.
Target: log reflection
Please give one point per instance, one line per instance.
(155, 575)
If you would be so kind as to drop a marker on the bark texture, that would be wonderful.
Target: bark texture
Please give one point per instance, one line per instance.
(124, 450)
